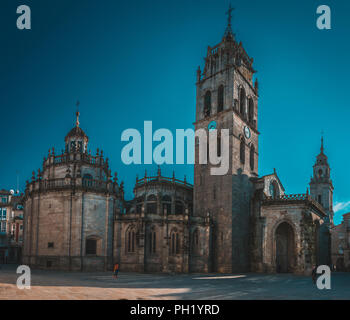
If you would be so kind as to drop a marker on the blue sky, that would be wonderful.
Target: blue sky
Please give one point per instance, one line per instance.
(127, 62)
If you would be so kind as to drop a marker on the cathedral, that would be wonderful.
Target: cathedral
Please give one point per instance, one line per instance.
(76, 217)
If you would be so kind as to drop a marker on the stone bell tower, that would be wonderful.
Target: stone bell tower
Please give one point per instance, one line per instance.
(321, 189)
(227, 98)
(321, 186)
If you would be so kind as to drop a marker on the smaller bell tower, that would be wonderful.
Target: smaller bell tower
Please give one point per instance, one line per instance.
(321, 186)
(321, 190)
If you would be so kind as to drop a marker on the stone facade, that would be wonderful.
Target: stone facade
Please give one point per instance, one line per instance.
(77, 219)
(70, 206)
(157, 232)
(255, 226)
(341, 244)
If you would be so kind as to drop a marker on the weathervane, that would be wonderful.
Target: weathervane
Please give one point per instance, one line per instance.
(229, 13)
(229, 19)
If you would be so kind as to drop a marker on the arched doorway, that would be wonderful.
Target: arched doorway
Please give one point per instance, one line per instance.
(285, 248)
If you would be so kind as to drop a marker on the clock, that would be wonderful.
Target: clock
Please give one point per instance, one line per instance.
(212, 126)
(247, 132)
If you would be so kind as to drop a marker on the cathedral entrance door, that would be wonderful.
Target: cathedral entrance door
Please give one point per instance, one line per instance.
(284, 248)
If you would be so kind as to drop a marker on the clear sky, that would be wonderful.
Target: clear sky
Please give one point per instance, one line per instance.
(131, 61)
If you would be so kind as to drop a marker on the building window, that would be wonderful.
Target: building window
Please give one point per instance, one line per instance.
(242, 151)
(166, 200)
(3, 227)
(91, 246)
(207, 104)
(139, 204)
(130, 239)
(242, 98)
(221, 98)
(273, 190)
(319, 199)
(152, 242)
(87, 180)
(72, 146)
(252, 153)
(3, 214)
(179, 207)
(175, 243)
(50, 244)
(4, 199)
(151, 206)
(250, 110)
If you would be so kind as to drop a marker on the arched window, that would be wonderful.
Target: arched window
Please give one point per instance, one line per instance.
(250, 110)
(207, 104)
(242, 151)
(91, 246)
(139, 203)
(179, 207)
(130, 240)
(87, 180)
(151, 206)
(221, 98)
(166, 200)
(175, 243)
(242, 101)
(152, 241)
(252, 153)
(80, 146)
(274, 192)
(320, 172)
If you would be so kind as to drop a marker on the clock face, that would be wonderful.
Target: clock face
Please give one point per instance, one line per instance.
(247, 132)
(212, 126)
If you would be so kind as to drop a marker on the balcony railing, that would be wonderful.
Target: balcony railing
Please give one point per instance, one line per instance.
(69, 183)
(295, 197)
(145, 180)
(68, 157)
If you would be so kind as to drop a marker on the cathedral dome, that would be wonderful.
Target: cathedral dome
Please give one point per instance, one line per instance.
(76, 139)
(76, 132)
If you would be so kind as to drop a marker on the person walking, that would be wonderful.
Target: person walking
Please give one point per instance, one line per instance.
(115, 271)
(314, 274)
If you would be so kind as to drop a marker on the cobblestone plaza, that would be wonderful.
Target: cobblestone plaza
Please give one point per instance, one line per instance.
(54, 285)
